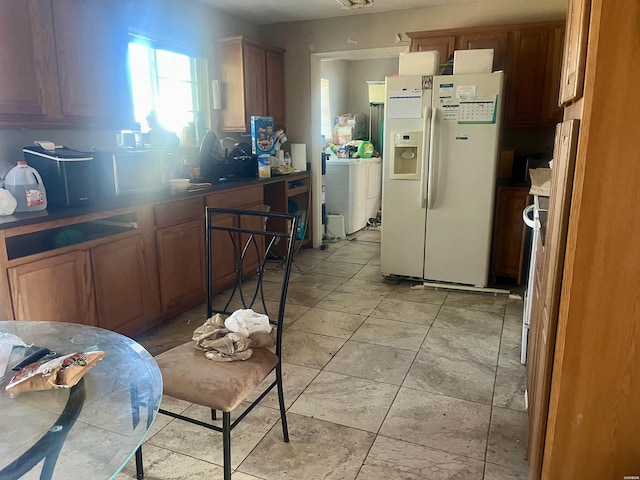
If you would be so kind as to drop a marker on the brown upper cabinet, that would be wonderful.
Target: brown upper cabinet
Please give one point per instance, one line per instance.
(530, 54)
(253, 83)
(65, 64)
(575, 53)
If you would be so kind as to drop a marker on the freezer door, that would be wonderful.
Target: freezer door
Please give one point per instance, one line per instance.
(403, 205)
(462, 178)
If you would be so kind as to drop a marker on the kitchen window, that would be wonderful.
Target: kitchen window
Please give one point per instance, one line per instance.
(325, 111)
(166, 82)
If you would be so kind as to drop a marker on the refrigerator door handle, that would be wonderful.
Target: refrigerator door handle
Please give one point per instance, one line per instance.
(426, 117)
(432, 154)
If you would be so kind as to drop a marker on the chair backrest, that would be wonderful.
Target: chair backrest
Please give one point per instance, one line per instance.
(240, 248)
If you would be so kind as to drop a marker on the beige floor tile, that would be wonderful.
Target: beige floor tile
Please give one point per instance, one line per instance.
(375, 261)
(469, 321)
(406, 311)
(295, 379)
(389, 333)
(373, 362)
(351, 302)
(514, 306)
(510, 386)
(338, 269)
(365, 287)
(477, 301)
(353, 402)
(369, 236)
(510, 348)
(507, 444)
(316, 450)
(164, 464)
(499, 472)
(204, 444)
(512, 326)
(371, 273)
(328, 322)
(181, 327)
(356, 252)
(309, 349)
(403, 291)
(449, 424)
(395, 459)
(454, 365)
(303, 294)
(318, 280)
(155, 345)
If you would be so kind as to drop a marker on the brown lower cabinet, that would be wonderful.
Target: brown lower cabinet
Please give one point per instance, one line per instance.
(57, 288)
(509, 232)
(181, 269)
(125, 283)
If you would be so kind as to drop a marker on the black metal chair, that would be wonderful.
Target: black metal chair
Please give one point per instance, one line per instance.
(248, 237)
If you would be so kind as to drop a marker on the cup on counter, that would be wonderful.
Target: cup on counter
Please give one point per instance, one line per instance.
(178, 184)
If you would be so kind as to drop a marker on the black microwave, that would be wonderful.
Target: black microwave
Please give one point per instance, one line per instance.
(124, 172)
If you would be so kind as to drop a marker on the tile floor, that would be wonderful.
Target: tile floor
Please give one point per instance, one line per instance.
(382, 381)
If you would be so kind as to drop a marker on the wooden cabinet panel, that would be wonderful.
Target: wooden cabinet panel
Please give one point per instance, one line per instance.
(125, 284)
(527, 62)
(29, 88)
(495, 40)
(180, 251)
(275, 86)
(91, 47)
(575, 51)
(57, 289)
(509, 232)
(444, 45)
(551, 109)
(550, 284)
(178, 211)
(253, 82)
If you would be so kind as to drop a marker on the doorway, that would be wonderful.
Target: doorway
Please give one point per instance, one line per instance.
(317, 60)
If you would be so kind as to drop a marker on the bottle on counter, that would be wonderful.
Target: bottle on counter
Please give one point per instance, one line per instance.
(25, 184)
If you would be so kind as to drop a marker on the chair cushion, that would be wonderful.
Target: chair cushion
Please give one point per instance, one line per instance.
(188, 375)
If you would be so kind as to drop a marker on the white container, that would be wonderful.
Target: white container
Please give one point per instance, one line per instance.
(473, 61)
(335, 227)
(419, 63)
(25, 184)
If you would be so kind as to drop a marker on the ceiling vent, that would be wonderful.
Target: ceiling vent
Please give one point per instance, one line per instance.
(351, 4)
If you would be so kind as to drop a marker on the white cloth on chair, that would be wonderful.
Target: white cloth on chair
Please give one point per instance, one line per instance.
(247, 322)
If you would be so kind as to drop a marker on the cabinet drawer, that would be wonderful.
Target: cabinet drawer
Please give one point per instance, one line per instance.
(236, 198)
(178, 211)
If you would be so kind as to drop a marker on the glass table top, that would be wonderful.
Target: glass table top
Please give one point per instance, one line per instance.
(90, 430)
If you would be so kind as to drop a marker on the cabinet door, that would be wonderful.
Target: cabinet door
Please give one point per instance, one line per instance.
(444, 45)
(255, 81)
(91, 45)
(180, 251)
(527, 67)
(28, 76)
(509, 232)
(125, 284)
(223, 258)
(275, 86)
(552, 113)
(575, 51)
(551, 282)
(57, 289)
(495, 40)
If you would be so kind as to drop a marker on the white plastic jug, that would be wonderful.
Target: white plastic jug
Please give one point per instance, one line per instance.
(26, 185)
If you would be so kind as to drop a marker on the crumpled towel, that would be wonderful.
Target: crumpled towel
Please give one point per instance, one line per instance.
(247, 322)
(8, 202)
(222, 345)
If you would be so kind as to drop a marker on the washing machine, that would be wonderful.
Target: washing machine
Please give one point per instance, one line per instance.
(346, 191)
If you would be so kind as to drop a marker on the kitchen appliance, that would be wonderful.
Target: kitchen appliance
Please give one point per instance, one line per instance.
(67, 174)
(440, 151)
(126, 172)
(217, 163)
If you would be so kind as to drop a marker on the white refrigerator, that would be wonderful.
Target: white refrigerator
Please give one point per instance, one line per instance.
(440, 151)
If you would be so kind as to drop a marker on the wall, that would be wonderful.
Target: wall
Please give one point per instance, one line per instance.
(336, 71)
(190, 24)
(375, 30)
(361, 71)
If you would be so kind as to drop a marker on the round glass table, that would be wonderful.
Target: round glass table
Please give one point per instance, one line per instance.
(90, 430)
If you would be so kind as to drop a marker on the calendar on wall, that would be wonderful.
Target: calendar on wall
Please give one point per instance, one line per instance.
(478, 109)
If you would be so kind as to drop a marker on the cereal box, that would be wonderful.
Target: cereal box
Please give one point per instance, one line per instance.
(262, 135)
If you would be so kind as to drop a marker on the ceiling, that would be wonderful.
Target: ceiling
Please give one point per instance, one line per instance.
(263, 12)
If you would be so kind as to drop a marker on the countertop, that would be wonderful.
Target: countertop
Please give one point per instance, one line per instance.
(54, 212)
